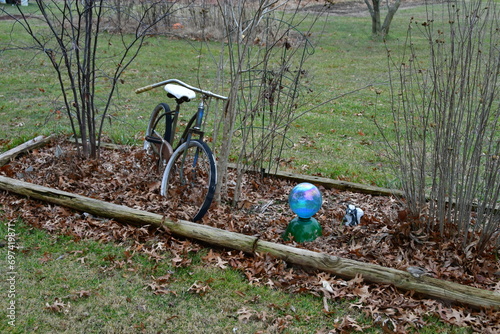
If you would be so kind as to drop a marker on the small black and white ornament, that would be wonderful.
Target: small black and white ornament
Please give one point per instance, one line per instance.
(352, 216)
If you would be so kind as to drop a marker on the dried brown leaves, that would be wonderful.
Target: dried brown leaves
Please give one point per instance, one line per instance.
(386, 237)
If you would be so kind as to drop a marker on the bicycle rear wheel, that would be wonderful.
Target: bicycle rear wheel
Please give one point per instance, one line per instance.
(190, 177)
(158, 133)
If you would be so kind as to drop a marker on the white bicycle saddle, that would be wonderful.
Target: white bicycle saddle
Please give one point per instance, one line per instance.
(179, 92)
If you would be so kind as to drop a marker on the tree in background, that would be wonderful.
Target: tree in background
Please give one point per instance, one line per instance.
(374, 6)
(379, 28)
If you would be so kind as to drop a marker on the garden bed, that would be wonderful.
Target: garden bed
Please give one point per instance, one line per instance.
(125, 176)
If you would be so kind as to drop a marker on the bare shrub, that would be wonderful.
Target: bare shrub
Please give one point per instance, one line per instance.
(120, 16)
(69, 33)
(262, 57)
(127, 16)
(195, 19)
(265, 56)
(446, 112)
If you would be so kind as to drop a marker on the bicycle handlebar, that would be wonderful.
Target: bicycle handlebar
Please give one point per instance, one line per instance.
(199, 90)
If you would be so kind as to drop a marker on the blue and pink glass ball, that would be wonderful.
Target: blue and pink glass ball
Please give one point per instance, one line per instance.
(305, 200)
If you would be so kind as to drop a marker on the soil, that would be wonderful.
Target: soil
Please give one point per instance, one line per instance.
(386, 235)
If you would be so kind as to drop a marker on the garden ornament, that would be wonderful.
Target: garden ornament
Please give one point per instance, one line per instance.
(352, 216)
(305, 200)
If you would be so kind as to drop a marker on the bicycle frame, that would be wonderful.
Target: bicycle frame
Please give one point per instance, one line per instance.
(198, 117)
(191, 167)
(196, 129)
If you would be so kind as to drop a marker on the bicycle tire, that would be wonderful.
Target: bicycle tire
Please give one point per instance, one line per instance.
(195, 185)
(162, 148)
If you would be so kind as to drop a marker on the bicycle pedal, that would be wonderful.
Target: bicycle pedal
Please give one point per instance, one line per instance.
(154, 139)
(197, 131)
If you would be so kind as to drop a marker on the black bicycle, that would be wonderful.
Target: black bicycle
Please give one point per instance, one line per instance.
(190, 173)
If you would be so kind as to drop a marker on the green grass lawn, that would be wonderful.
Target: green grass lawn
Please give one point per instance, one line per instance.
(347, 145)
(68, 286)
(65, 285)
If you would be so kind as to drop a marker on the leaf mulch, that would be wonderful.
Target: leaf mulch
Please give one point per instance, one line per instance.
(385, 236)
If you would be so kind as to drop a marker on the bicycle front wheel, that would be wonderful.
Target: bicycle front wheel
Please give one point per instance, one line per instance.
(190, 177)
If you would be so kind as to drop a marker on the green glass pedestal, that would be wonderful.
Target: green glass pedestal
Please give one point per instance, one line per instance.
(303, 229)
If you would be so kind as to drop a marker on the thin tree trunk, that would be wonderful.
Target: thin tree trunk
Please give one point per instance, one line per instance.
(390, 15)
(374, 9)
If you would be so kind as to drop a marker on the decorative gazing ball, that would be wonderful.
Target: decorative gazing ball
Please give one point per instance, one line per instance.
(305, 200)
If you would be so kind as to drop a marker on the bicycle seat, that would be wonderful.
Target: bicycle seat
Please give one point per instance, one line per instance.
(179, 93)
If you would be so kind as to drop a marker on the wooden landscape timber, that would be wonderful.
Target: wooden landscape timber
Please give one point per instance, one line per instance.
(355, 187)
(328, 183)
(341, 185)
(102, 144)
(336, 265)
(27, 146)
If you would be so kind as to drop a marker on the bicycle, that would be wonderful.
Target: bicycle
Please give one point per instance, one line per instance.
(190, 173)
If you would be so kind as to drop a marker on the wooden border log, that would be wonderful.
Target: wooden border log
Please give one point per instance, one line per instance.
(102, 144)
(341, 185)
(327, 183)
(336, 265)
(39, 141)
(356, 187)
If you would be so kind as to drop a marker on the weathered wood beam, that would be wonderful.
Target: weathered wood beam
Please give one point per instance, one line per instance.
(326, 182)
(341, 185)
(355, 187)
(336, 265)
(39, 141)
